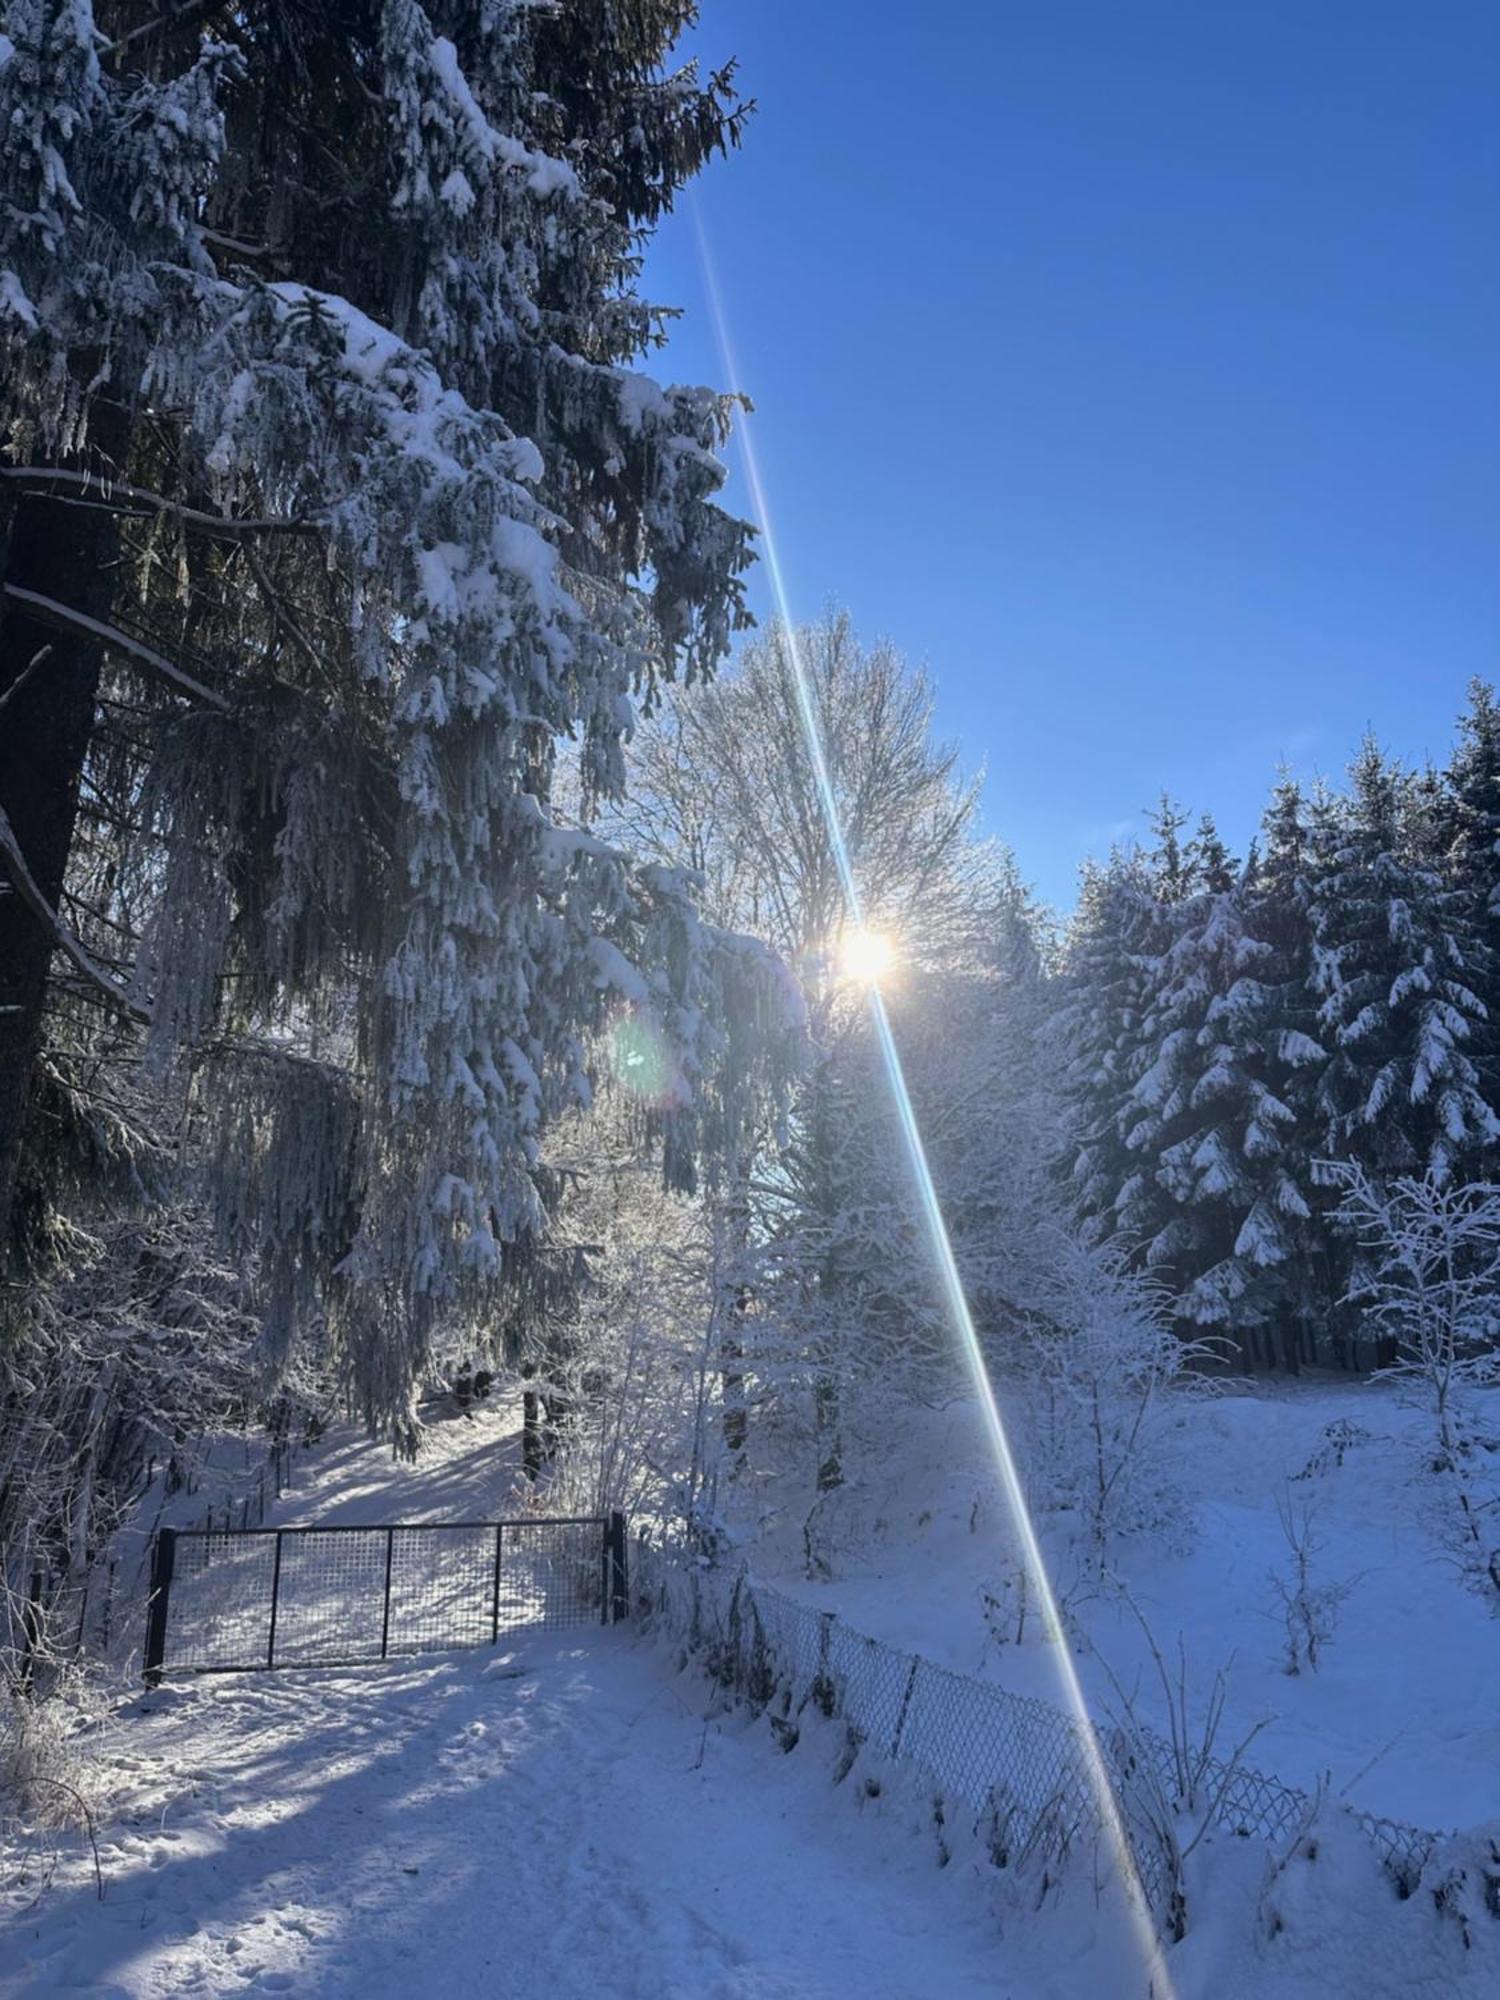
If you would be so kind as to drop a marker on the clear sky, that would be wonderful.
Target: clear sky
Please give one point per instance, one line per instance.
(1134, 366)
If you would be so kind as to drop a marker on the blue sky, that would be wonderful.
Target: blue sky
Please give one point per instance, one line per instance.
(1135, 367)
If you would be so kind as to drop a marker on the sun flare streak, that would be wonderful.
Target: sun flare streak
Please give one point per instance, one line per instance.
(1159, 1981)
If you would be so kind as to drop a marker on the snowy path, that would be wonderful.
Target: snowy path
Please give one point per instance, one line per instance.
(558, 1825)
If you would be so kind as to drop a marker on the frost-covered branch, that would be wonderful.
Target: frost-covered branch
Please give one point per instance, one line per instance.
(25, 885)
(136, 650)
(111, 493)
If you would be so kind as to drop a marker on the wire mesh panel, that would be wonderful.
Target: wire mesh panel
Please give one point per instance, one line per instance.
(870, 1681)
(1023, 1766)
(551, 1573)
(442, 1588)
(219, 1613)
(330, 1597)
(304, 1597)
(797, 1637)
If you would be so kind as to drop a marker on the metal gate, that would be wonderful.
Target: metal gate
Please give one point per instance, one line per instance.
(228, 1601)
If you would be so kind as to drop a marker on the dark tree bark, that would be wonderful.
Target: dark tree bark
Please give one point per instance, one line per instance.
(47, 711)
(734, 1312)
(531, 1435)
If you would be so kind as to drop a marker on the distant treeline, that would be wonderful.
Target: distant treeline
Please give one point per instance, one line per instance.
(1232, 1027)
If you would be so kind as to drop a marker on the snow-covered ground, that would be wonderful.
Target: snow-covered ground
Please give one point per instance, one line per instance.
(575, 1821)
(562, 1823)
(1401, 1710)
(1398, 1713)
(581, 1818)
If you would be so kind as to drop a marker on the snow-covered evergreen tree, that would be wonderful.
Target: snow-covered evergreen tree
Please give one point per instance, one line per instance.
(1189, 1176)
(1401, 1092)
(1470, 841)
(1104, 1002)
(1280, 1251)
(328, 314)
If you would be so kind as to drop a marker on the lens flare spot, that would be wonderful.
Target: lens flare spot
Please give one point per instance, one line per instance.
(641, 1060)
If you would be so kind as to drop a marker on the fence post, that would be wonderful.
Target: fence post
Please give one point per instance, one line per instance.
(275, 1600)
(823, 1686)
(911, 1681)
(163, 1561)
(495, 1594)
(617, 1604)
(385, 1616)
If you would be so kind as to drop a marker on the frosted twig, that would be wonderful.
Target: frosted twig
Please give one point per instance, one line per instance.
(29, 890)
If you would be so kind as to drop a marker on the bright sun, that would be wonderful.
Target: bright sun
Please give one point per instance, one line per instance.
(865, 956)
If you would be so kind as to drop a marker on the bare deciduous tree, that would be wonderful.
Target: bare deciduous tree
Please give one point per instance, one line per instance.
(1428, 1274)
(723, 781)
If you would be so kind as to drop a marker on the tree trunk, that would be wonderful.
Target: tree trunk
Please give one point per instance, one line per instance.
(830, 1449)
(68, 553)
(531, 1435)
(734, 1308)
(731, 1358)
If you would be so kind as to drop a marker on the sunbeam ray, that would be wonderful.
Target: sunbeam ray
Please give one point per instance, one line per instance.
(1159, 1983)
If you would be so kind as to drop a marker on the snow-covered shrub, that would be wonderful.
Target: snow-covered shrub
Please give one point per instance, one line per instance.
(1463, 1879)
(145, 1341)
(49, 1777)
(626, 1378)
(1102, 1367)
(1428, 1275)
(1333, 1918)
(1339, 1438)
(1170, 1791)
(1309, 1607)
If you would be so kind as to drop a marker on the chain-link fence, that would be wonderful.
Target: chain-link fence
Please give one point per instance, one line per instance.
(1023, 1767)
(223, 1602)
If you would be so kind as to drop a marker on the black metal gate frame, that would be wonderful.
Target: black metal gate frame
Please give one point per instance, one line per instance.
(614, 1580)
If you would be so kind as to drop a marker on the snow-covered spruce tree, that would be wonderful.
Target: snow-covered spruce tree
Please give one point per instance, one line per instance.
(1119, 969)
(1401, 1092)
(1469, 838)
(319, 319)
(1180, 1158)
(1104, 998)
(1281, 1252)
(73, 300)
(1223, 1205)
